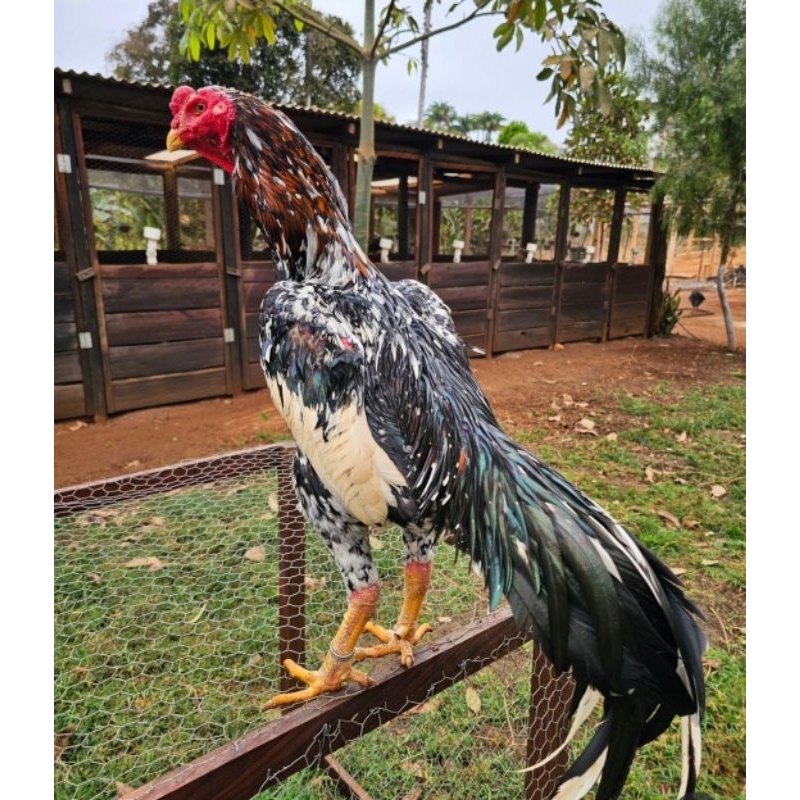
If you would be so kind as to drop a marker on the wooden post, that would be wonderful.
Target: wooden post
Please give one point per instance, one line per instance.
(229, 255)
(657, 261)
(172, 213)
(529, 213)
(617, 220)
(548, 724)
(495, 258)
(426, 226)
(562, 227)
(81, 257)
(292, 571)
(402, 217)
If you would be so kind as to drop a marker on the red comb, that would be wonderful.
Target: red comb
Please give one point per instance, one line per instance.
(179, 98)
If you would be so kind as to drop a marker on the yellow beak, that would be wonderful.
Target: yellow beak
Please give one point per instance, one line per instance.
(174, 141)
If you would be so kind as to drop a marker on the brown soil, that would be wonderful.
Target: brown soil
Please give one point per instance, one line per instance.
(516, 383)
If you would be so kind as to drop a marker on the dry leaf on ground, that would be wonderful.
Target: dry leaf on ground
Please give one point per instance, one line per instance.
(257, 553)
(473, 700)
(670, 518)
(151, 562)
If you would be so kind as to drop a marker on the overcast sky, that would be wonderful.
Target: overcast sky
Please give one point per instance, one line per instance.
(465, 68)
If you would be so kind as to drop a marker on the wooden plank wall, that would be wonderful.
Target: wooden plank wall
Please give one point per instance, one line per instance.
(630, 292)
(162, 326)
(525, 300)
(163, 331)
(464, 287)
(257, 278)
(583, 292)
(398, 270)
(69, 393)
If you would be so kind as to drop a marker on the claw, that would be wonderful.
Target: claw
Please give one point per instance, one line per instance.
(400, 641)
(330, 677)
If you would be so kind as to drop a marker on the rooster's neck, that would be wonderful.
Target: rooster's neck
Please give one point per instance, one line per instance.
(295, 199)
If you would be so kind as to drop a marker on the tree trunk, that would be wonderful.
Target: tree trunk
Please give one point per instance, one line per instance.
(366, 134)
(309, 59)
(423, 74)
(725, 249)
(730, 331)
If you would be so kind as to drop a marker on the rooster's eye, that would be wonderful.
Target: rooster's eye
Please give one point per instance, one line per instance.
(200, 108)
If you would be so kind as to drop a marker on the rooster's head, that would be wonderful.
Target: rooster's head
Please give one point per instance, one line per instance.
(201, 121)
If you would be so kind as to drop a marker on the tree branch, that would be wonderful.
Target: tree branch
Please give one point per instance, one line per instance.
(313, 20)
(381, 28)
(428, 35)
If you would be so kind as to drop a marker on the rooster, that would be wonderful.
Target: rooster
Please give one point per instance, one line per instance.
(697, 298)
(391, 427)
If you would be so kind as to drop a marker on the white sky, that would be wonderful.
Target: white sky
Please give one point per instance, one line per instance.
(465, 68)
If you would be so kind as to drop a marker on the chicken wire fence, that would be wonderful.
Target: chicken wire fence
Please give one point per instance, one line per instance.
(179, 591)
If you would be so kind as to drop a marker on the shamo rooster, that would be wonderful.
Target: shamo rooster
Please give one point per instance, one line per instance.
(391, 427)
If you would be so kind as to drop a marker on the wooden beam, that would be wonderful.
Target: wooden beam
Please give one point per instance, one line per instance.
(548, 724)
(72, 194)
(529, 232)
(292, 573)
(657, 260)
(427, 228)
(402, 217)
(495, 257)
(347, 785)
(266, 756)
(227, 228)
(86, 496)
(562, 229)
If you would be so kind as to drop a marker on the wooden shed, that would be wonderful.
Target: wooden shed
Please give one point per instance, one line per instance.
(159, 273)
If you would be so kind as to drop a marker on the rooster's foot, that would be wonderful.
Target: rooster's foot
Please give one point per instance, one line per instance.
(401, 641)
(330, 677)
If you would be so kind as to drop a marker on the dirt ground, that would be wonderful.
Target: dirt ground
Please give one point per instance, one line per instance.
(516, 383)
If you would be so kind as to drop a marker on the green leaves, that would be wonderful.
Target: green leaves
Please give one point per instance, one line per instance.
(503, 33)
(586, 49)
(235, 25)
(696, 75)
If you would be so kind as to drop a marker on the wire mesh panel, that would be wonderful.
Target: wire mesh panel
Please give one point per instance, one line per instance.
(177, 594)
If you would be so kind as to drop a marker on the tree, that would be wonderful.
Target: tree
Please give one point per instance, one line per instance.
(695, 72)
(517, 134)
(619, 137)
(585, 46)
(488, 122)
(441, 116)
(423, 77)
(464, 124)
(379, 112)
(305, 68)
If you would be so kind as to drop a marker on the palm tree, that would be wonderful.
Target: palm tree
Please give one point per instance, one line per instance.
(489, 122)
(464, 124)
(440, 116)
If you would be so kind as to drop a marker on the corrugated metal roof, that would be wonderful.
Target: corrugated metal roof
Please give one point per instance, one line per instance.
(342, 115)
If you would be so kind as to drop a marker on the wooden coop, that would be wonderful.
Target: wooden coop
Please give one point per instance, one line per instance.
(159, 274)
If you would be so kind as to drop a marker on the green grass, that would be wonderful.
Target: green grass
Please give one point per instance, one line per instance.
(155, 667)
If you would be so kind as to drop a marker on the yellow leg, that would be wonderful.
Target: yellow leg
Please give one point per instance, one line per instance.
(407, 633)
(336, 667)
